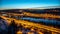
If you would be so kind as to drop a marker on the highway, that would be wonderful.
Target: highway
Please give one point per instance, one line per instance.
(28, 14)
(33, 25)
(41, 15)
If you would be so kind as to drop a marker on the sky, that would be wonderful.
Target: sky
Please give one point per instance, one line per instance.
(18, 4)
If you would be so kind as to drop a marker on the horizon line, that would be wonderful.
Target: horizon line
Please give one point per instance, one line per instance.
(48, 7)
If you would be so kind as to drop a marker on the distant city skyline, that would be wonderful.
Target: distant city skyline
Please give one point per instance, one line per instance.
(23, 4)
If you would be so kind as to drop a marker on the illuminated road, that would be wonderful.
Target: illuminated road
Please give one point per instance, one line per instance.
(33, 25)
(29, 24)
(46, 16)
(41, 15)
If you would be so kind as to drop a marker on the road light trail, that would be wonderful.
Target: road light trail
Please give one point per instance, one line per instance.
(28, 24)
(41, 15)
(46, 16)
